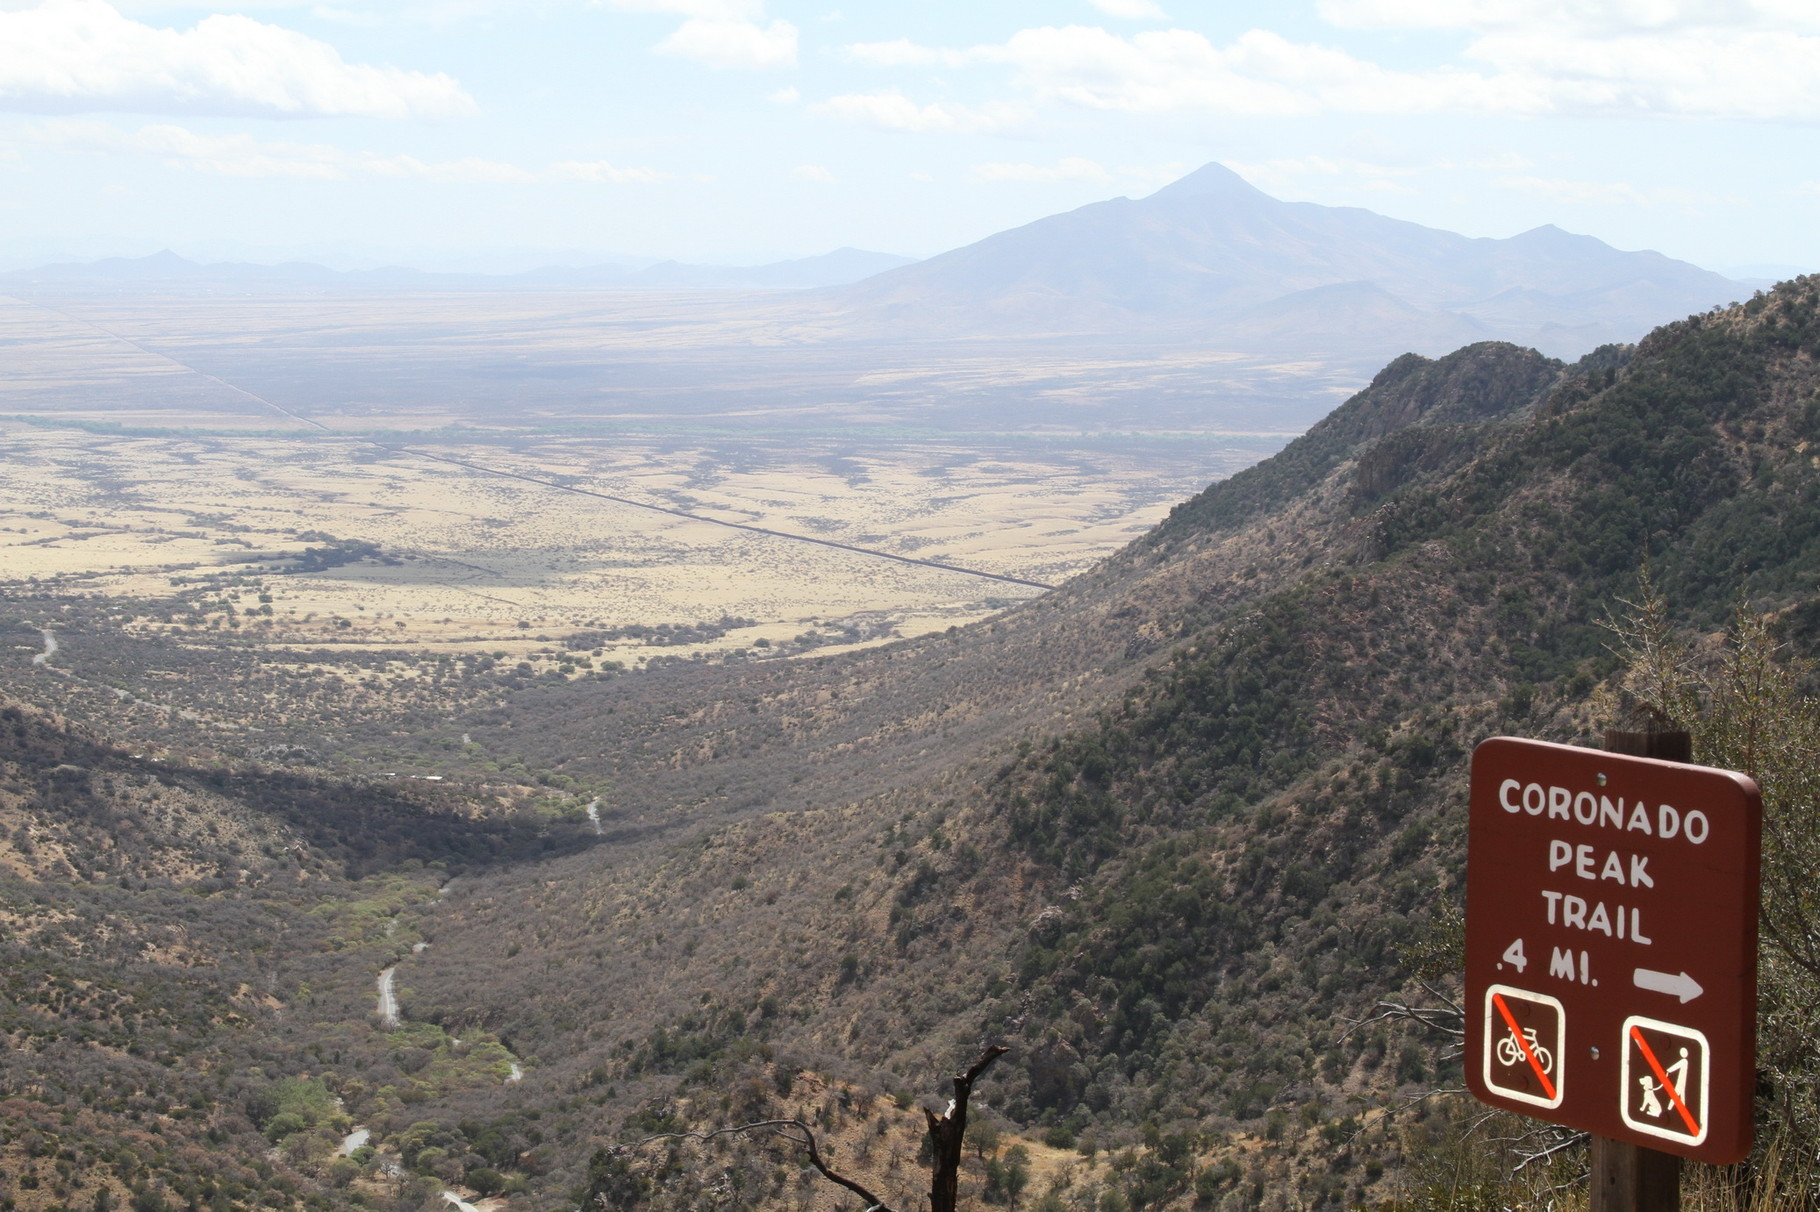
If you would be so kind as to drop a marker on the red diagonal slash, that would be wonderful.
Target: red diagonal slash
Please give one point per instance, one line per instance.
(1510, 1020)
(1687, 1117)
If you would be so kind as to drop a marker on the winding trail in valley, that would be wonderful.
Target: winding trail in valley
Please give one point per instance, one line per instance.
(594, 815)
(388, 1000)
(391, 1018)
(52, 647)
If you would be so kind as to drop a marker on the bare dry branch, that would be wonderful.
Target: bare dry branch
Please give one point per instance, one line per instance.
(1449, 1018)
(1560, 1146)
(783, 1128)
(948, 1130)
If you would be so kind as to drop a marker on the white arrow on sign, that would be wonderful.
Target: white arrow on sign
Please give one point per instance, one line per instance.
(1679, 985)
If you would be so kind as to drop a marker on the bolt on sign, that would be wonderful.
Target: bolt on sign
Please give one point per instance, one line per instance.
(1611, 944)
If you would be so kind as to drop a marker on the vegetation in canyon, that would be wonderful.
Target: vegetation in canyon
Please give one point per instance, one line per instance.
(1169, 833)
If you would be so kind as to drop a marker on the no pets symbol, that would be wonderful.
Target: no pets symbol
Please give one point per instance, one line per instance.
(1664, 1080)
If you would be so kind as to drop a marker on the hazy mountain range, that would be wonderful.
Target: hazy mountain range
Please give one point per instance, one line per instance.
(167, 270)
(1211, 254)
(1209, 260)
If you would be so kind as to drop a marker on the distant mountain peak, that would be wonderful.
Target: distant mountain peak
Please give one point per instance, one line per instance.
(1212, 180)
(1212, 254)
(1550, 236)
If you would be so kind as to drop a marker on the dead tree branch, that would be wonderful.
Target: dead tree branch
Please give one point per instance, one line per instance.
(1523, 1149)
(788, 1129)
(947, 1133)
(1448, 1018)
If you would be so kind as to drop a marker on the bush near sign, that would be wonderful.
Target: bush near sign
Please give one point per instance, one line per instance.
(1611, 944)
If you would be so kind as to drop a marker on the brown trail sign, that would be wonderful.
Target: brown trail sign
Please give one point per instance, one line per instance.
(1611, 945)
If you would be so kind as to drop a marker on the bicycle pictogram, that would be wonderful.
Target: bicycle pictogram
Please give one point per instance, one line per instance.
(1523, 1038)
(1511, 1051)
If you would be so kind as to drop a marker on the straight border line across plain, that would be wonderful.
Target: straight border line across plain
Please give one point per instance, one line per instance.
(1005, 578)
(696, 517)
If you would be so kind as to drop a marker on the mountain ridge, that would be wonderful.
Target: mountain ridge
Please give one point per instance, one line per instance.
(1206, 250)
(1208, 259)
(1201, 852)
(168, 268)
(1170, 831)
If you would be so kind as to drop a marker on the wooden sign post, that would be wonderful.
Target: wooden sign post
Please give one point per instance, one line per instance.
(1627, 1177)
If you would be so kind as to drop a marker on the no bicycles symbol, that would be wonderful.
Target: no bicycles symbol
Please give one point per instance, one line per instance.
(1524, 1049)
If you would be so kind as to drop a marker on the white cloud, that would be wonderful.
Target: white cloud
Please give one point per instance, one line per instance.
(601, 172)
(75, 56)
(1719, 74)
(1260, 73)
(1751, 59)
(1155, 71)
(785, 96)
(1130, 10)
(1071, 168)
(813, 172)
(1767, 74)
(891, 110)
(733, 44)
(1574, 16)
(721, 33)
(241, 155)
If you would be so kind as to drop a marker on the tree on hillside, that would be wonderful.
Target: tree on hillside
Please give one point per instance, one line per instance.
(615, 1185)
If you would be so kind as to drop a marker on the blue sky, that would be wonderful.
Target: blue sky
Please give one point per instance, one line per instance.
(468, 133)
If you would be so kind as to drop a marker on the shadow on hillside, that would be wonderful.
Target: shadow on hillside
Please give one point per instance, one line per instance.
(363, 827)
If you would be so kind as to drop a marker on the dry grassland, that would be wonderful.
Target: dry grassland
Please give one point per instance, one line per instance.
(169, 439)
(480, 554)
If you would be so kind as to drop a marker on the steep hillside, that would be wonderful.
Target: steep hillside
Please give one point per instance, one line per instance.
(1211, 255)
(1164, 831)
(1169, 884)
(847, 873)
(187, 969)
(1302, 766)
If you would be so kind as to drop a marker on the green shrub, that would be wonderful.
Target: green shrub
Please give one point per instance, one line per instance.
(284, 1124)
